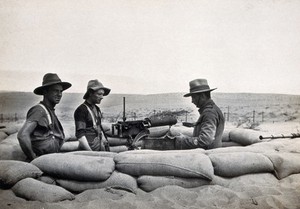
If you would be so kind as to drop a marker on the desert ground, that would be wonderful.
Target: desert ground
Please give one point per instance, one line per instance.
(268, 114)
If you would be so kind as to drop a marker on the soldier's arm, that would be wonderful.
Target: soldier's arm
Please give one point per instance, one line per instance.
(25, 140)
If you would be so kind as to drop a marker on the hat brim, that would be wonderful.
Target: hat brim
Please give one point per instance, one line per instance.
(197, 92)
(106, 92)
(40, 90)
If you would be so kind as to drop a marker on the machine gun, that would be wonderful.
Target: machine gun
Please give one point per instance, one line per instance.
(135, 130)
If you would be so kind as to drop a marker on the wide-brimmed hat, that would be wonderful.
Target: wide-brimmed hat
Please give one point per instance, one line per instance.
(198, 86)
(95, 85)
(50, 79)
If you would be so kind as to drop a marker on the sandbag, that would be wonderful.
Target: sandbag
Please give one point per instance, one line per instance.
(240, 163)
(162, 143)
(93, 153)
(70, 146)
(225, 136)
(11, 139)
(244, 136)
(162, 152)
(3, 135)
(158, 131)
(47, 179)
(116, 141)
(231, 144)
(12, 152)
(262, 147)
(11, 129)
(10, 149)
(69, 131)
(285, 164)
(116, 180)
(177, 130)
(150, 183)
(106, 126)
(12, 171)
(118, 149)
(187, 164)
(32, 189)
(75, 167)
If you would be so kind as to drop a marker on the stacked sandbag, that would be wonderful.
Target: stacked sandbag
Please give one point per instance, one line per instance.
(226, 140)
(82, 170)
(75, 167)
(225, 136)
(150, 183)
(10, 149)
(12, 171)
(177, 130)
(118, 149)
(285, 163)
(240, 163)
(159, 131)
(93, 153)
(244, 136)
(116, 141)
(3, 136)
(117, 180)
(32, 189)
(11, 129)
(176, 164)
(70, 146)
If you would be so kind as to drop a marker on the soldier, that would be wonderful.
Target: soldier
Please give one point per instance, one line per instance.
(209, 128)
(42, 132)
(89, 131)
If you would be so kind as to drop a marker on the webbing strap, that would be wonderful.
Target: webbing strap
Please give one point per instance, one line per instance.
(47, 113)
(92, 115)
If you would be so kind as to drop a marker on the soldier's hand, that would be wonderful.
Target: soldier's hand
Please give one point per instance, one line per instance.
(180, 137)
(180, 141)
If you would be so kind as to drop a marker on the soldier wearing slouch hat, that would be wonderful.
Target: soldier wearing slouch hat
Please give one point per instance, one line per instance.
(209, 127)
(42, 132)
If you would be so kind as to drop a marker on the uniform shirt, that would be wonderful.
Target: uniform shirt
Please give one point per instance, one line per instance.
(208, 129)
(84, 125)
(45, 139)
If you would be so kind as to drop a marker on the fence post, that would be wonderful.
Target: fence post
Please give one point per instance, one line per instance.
(262, 116)
(228, 113)
(1, 118)
(253, 116)
(186, 112)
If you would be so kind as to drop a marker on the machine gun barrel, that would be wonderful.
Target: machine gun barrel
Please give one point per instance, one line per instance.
(293, 135)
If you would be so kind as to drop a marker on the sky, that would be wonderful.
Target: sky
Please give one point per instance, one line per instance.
(152, 46)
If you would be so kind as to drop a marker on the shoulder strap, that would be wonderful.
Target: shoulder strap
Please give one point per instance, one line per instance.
(95, 126)
(47, 113)
(92, 115)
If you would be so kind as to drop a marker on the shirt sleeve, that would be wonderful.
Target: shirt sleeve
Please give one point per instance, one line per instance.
(37, 114)
(80, 121)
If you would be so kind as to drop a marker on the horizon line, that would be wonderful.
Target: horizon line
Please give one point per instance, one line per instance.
(13, 91)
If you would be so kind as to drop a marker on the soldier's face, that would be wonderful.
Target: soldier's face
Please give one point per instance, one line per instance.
(197, 99)
(54, 93)
(97, 96)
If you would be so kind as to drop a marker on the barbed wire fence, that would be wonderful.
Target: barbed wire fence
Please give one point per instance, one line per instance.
(9, 117)
(233, 114)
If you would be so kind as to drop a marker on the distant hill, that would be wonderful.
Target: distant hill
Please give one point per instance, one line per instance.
(239, 105)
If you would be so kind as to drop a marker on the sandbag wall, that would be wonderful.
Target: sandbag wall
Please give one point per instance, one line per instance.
(60, 176)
